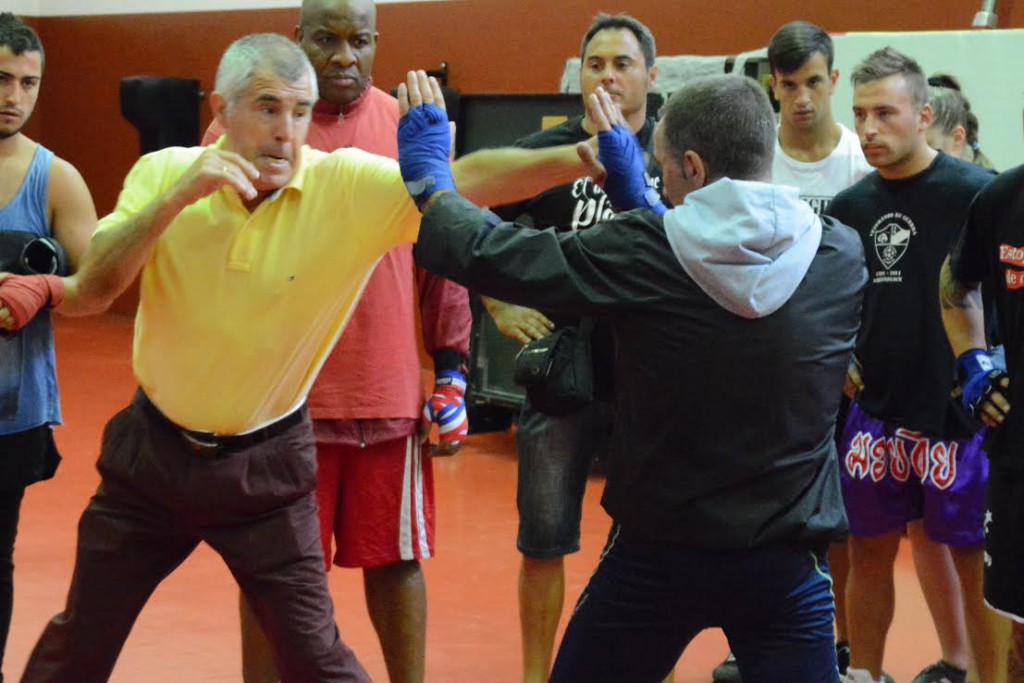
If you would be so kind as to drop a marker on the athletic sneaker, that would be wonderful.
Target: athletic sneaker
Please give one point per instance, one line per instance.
(843, 656)
(863, 676)
(727, 672)
(856, 676)
(941, 672)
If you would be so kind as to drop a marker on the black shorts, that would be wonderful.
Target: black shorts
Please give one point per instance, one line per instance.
(27, 457)
(1004, 541)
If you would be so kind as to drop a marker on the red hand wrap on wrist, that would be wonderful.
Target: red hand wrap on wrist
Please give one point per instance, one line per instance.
(25, 295)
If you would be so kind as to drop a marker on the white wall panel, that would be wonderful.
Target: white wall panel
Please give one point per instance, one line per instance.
(985, 62)
(23, 8)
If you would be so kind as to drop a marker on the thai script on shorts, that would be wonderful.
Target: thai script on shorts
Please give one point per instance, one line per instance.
(900, 455)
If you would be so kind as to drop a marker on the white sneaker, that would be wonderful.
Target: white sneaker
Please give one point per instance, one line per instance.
(858, 676)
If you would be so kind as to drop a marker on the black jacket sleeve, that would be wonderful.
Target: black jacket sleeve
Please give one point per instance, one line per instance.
(584, 272)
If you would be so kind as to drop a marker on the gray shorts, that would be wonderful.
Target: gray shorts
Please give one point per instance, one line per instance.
(555, 454)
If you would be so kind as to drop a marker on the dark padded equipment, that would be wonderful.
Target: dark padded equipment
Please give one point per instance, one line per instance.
(164, 110)
(25, 253)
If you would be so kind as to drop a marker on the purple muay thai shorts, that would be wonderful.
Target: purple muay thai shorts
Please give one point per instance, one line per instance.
(892, 476)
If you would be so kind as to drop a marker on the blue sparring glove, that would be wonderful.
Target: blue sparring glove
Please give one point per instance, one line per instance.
(620, 153)
(980, 379)
(424, 141)
(447, 408)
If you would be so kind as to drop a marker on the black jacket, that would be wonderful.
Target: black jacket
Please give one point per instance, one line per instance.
(724, 435)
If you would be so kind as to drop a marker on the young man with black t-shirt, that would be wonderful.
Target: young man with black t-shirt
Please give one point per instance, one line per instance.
(908, 452)
(554, 453)
(990, 255)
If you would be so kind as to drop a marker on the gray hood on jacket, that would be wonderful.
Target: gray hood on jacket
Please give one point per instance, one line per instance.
(747, 244)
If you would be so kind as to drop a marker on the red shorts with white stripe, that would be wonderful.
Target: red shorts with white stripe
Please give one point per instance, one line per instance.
(377, 502)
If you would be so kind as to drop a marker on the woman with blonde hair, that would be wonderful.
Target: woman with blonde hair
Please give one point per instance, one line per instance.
(954, 128)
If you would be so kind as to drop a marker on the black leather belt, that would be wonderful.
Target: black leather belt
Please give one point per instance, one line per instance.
(208, 445)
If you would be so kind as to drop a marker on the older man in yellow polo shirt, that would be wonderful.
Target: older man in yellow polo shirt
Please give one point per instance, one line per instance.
(252, 255)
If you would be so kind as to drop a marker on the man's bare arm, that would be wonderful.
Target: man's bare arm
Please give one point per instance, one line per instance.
(962, 312)
(490, 177)
(71, 209)
(963, 316)
(498, 176)
(116, 255)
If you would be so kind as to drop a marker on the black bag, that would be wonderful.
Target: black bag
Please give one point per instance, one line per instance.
(25, 253)
(558, 370)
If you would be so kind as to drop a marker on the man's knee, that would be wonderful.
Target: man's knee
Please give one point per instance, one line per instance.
(874, 554)
(401, 573)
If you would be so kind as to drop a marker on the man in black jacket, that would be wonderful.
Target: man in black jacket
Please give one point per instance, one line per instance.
(734, 316)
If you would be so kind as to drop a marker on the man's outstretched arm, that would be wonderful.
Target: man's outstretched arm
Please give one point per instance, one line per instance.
(116, 254)
(487, 177)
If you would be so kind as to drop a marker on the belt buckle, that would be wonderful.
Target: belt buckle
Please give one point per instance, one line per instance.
(203, 445)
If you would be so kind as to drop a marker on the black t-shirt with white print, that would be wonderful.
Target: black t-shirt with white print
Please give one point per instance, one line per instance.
(907, 227)
(576, 206)
(990, 250)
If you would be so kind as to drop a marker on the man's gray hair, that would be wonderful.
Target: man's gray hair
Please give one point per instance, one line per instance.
(270, 51)
(891, 62)
(728, 121)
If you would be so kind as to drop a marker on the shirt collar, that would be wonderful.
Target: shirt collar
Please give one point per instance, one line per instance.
(296, 180)
(326, 109)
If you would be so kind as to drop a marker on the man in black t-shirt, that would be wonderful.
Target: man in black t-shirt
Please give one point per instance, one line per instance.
(908, 454)
(554, 453)
(990, 254)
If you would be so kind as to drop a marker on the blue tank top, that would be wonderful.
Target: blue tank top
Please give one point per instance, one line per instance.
(28, 378)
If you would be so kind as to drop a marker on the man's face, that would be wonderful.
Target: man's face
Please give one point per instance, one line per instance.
(340, 39)
(890, 127)
(19, 88)
(805, 95)
(614, 60)
(268, 125)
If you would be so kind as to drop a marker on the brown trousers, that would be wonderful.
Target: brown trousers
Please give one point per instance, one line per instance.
(155, 503)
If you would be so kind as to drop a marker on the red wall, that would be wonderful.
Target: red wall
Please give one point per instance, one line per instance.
(490, 46)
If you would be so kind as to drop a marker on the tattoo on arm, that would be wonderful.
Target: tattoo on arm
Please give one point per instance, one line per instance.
(1016, 664)
(954, 295)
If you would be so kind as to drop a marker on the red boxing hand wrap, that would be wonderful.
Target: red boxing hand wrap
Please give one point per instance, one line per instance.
(26, 295)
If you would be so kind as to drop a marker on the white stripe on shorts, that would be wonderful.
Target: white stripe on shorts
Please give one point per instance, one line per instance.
(417, 473)
(412, 503)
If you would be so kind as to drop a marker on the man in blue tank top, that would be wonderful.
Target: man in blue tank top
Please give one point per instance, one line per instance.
(41, 194)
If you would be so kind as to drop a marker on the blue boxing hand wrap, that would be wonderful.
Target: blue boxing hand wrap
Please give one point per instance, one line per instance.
(980, 378)
(620, 153)
(424, 141)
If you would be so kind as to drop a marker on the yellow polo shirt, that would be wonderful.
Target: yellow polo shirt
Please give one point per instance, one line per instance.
(238, 310)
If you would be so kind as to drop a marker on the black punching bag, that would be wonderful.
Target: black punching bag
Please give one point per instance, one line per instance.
(164, 110)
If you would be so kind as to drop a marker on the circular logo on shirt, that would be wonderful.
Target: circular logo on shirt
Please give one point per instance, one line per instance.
(891, 236)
